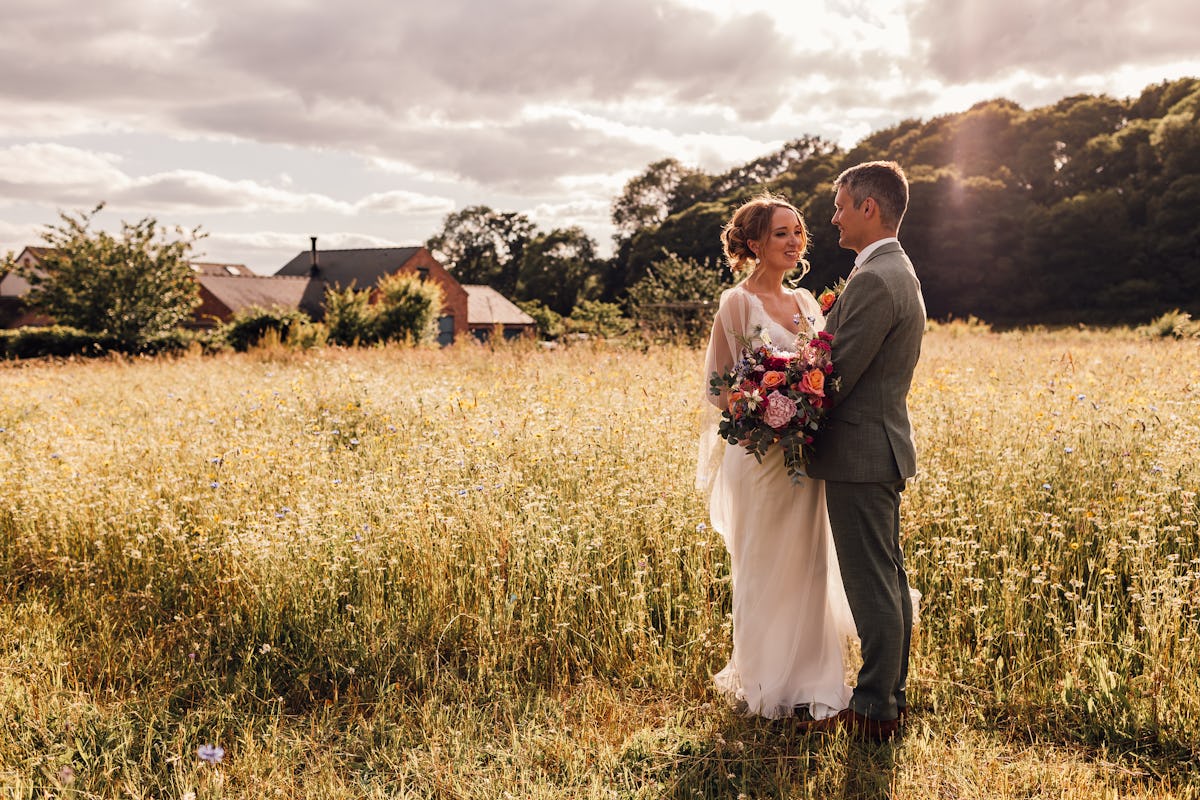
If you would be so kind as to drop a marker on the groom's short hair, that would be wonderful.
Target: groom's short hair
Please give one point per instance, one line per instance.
(882, 180)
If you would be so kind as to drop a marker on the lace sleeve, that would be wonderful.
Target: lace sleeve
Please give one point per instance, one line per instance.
(732, 320)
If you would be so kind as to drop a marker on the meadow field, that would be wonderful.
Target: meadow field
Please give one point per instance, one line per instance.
(485, 573)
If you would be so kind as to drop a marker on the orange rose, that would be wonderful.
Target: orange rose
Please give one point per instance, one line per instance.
(826, 299)
(813, 383)
(772, 379)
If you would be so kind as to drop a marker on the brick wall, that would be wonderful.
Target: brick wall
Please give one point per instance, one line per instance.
(455, 305)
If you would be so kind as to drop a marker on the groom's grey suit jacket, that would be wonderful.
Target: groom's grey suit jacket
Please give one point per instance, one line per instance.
(877, 324)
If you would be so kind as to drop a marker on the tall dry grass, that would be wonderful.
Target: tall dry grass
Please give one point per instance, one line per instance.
(472, 572)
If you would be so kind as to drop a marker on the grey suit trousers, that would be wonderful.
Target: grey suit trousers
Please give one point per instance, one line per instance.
(865, 518)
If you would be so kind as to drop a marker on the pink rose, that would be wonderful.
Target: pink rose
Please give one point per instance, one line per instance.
(780, 410)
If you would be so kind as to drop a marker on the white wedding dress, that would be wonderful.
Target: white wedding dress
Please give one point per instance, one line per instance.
(794, 639)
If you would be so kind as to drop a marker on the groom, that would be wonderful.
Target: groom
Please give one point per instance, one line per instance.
(865, 452)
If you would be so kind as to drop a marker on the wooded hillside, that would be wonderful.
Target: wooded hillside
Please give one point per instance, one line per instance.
(1087, 210)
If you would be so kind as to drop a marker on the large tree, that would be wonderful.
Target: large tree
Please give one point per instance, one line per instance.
(480, 245)
(133, 287)
(694, 233)
(665, 187)
(560, 269)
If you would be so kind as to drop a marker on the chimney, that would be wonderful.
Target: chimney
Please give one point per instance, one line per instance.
(314, 267)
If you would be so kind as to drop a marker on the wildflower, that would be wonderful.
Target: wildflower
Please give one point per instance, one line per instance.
(701, 527)
(214, 485)
(1068, 450)
(66, 775)
(1046, 486)
(210, 753)
(753, 398)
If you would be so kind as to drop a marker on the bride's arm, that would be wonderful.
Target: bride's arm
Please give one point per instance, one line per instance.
(723, 348)
(731, 321)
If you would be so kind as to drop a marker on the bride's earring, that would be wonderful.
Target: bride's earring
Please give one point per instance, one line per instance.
(756, 261)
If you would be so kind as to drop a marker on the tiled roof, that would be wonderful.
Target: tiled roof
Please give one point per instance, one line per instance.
(486, 306)
(265, 291)
(363, 267)
(213, 268)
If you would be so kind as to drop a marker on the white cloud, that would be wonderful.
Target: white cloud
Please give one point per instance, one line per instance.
(402, 202)
(591, 215)
(540, 106)
(69, 175)
(55, 166)
(15, 237)
(972, 40)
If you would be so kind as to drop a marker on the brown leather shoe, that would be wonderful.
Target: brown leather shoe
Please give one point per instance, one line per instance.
(867, 729)
(804, 721)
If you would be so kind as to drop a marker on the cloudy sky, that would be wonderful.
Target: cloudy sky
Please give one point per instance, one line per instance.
(365, 122)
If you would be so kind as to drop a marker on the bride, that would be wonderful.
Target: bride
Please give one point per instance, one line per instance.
(792, 627)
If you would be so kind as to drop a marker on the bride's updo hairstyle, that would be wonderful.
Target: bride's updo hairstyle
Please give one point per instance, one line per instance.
(752, 223)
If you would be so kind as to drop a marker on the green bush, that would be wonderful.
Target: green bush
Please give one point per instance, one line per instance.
(407, 309)
(62, 341)
(349, 318)
(54, 340)
(250, 325)
(598, 319)
(550, 323)
(173, 341)
(1176, 324)
(676, 299)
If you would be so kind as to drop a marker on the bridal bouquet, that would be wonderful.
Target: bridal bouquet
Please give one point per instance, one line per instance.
(777, 397)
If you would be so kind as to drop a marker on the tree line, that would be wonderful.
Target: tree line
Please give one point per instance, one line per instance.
(1084, 211)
